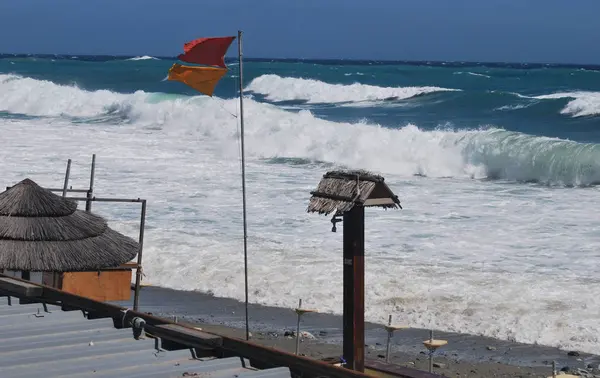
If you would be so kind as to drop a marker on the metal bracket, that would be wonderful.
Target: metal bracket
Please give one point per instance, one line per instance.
(335, 219)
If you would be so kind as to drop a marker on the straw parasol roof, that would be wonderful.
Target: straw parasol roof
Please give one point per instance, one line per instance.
(41, 231)
(340, 191)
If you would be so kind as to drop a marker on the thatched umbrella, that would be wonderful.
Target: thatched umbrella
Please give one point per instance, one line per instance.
(41, 231)
(340, 191)
(346, 194)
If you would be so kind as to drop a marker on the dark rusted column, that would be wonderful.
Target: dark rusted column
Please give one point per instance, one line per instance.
(354, 288)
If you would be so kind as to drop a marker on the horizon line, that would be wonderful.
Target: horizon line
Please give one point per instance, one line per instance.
(346, 60)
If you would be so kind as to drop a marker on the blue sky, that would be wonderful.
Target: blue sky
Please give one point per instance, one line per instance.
(475, 30)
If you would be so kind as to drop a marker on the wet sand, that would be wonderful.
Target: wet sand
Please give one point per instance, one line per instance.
(464, 356)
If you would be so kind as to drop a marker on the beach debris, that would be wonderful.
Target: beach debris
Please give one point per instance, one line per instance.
(583, 373)
(573, 353)
(307, 335)
(489, 347)
(439, 365)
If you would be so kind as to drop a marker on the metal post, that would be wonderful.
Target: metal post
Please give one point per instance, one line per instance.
(67, 174)
(354, 288)
(90, 192)
(138, 270)
(243, 179)
(431, 351)
(389, 339)
(553, 369)
(298, 327)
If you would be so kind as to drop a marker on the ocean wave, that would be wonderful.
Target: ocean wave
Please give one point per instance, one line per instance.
(583, 103)
(273, 132)
(33, 97)
(472, 74)
(277, 88)
(513, 107)
(145, 57)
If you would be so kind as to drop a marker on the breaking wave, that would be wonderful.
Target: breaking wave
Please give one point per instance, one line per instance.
(582, 104)
(277, 88)
(145, 57)
(272, 132)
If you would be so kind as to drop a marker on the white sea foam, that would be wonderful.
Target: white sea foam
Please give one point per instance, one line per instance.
(513, 107)
(472, 74)
(44, 98)
(277, 88)
(145, 57)
(504, 260)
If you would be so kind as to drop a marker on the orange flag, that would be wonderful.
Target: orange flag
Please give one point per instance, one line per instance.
(202, 79)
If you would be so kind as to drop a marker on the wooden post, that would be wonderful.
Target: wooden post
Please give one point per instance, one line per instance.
(354, 288)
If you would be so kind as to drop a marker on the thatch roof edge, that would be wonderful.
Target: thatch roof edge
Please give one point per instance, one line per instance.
(340, 191)
(362, 175)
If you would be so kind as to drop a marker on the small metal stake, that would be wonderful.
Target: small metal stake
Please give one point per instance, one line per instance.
(555, 375)
(389, 338)
(432, 345)
(298, 326)
(390, 330)
(431, 352)
(300, 311)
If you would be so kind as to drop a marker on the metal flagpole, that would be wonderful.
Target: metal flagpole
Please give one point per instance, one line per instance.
(243, 179)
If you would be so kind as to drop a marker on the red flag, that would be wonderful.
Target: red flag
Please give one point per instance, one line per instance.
(208, 51)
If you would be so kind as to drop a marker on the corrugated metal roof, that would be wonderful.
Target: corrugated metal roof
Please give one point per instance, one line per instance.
(56, 343)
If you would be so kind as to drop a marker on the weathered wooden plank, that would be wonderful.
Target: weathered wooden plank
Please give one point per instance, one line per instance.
(379, 202)
(383, 369)
(20, 288)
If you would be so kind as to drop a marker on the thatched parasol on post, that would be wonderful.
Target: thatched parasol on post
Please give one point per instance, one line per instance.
(41, 231)
(347, 193)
